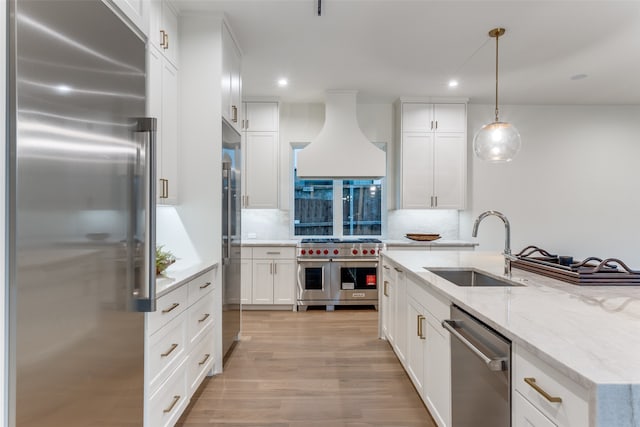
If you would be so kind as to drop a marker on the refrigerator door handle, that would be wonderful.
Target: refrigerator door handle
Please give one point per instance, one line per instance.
(145, 284)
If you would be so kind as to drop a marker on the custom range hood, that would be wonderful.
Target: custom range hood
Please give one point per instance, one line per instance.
(341, 150)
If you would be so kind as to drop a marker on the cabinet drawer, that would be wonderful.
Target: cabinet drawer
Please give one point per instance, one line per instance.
(274, 253)
(573, 411)
(168, 307)
(200, 362)
(167, 404)
(200, 318)
(527, 415)
(436, 305)
(167, 349)
(200, 286)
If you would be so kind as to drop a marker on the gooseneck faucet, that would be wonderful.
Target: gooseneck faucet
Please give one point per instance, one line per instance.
(508, 257)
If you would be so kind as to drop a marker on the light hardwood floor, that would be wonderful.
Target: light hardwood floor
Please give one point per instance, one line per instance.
(314, 368)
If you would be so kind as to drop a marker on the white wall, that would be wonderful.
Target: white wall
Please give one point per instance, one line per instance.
(573, 188)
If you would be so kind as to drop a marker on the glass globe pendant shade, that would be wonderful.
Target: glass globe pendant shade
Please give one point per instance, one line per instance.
(497, 142)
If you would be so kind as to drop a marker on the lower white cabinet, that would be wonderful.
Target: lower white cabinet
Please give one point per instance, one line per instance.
(179, 349)
(272, 276)
(555, 396)
(411, 324)
(526, 415)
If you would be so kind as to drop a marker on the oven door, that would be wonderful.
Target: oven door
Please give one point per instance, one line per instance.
(354, 281)
(313, 281)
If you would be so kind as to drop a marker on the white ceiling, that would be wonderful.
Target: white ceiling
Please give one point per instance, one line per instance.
(391, 48)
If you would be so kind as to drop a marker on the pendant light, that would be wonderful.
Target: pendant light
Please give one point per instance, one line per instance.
(497, 142)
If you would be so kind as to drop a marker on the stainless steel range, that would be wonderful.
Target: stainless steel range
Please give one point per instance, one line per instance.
(338, 272)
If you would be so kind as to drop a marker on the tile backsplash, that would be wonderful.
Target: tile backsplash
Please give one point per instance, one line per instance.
(274, 224)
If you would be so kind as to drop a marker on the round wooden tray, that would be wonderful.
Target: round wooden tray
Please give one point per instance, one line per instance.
(422, 237)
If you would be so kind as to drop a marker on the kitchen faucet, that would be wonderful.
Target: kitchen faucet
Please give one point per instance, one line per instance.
(508, 257)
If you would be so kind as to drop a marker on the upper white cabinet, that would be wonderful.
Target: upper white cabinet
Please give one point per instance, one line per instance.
(432, 155)
(231, 91)
(137, 12)
(261, 153)
(163, 29)
(162, 103)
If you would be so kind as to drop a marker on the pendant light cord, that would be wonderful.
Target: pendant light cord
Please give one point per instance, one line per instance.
(497, 37)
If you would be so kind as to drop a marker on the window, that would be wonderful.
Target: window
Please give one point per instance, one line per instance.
(325, 207)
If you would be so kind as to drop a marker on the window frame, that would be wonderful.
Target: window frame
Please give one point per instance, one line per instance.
(338, 231)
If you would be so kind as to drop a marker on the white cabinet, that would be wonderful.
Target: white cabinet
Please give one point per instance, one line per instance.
(527, 415)
(231, 90)
(437, 372)
(261, 155)
(388, 303)
(137, 12)
(163, 29)
(559, 400)
(395, 292)
(432, 155)
(416, 324)
(162, 103)
(272, 277)
(179, 349)
(246, 276)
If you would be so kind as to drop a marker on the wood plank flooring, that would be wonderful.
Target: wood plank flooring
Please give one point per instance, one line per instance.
(314, 368)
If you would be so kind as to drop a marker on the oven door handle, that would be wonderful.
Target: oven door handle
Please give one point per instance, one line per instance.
(369, 261)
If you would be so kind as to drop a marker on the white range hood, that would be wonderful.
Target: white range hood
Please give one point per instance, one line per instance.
(341, 150)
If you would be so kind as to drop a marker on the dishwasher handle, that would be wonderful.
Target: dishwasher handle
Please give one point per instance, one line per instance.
(494, 364)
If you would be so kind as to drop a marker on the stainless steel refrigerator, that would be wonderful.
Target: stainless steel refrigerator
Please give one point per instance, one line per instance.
(231, 236)
(81, 216)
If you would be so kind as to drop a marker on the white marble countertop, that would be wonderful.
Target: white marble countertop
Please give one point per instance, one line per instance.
(256, 242)
(178, 274)
(434, 243)
(590, 333)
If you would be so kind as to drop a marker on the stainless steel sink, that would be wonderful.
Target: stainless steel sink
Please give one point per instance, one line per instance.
(469, 277)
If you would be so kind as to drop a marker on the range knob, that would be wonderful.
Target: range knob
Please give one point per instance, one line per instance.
(364, 251)
(336, 252)
(326, 251)
(355, 252)
(303, 252)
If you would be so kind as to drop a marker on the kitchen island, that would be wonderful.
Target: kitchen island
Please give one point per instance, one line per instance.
(589, 336)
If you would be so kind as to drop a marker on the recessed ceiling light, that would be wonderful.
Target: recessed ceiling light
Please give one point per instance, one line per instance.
(578, 77)
(453, 83)
(283, 82)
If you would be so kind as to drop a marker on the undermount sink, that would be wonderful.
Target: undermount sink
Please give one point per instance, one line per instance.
(468, 277)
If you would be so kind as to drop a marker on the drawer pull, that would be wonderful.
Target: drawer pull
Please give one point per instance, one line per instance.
(173, 307)
(206, 285)
(273, 253)
(386, 289)
(386, 267)
(168, 352)
(203, 361)
(397, 269)
(420, 331)
(205, 317)
(176, 399)
(536, 387)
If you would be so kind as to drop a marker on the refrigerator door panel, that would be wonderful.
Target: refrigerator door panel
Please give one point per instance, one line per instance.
(231, 236)
(77, 165)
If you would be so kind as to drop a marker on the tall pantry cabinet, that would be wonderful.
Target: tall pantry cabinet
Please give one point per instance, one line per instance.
(431, 154)
(162, 96)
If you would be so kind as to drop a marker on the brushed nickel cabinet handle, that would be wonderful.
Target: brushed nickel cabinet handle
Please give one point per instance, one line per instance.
(234, 114)
(247, 123)
(166, 186)
(436, 124)
(532, 382)
(420, 331)
(203, 361)
(168, 352)
(386, 288)
(206, 285)
(275, 268)
(273, 253)
(171, 308)
(386, 267)
(166, 40)
(205, 317)
(432, 124)
(436, 199)
(270, 268)
(176, 399)
(397, 269)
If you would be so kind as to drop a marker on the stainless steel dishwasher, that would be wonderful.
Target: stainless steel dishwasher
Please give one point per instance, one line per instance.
(480, 373)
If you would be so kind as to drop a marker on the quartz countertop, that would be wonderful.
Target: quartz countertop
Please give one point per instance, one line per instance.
(177, 275)
(590, 333)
